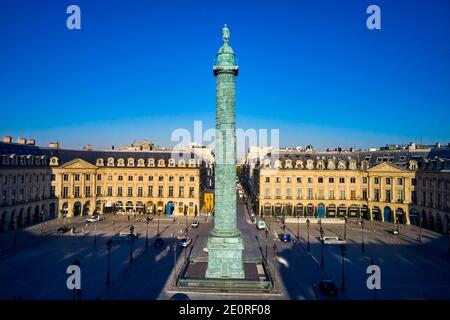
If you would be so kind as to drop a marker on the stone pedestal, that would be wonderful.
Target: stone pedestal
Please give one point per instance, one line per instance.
(225, 258)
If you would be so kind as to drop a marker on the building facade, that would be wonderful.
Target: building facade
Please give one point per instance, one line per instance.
(407, 186)
(39, 183)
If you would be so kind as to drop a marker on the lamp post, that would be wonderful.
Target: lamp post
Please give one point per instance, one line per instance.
(307, 225)
(108, 273)
(267, 235)
(174, 263)
(345, 227)
(343, 270)
(186, 231)
(131, 243)
(146, 232)
(322, 261)
(420, 228)
(362, 236)
(157, 233)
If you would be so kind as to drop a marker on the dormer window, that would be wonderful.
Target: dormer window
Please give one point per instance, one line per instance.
(288, 164)
(120, 162)
(151, 162)
(110, 162)
(341, 165)
(331, 165)
(182, 163)
(98, 163)
(141, 163)
(54, 161)
(171, 162)
(299, 164)
(352, 165)
(267, 163)
(191, 162)
(277, 164)
(413, 165)
(130, 162)
(320, 165)
(161, 163)
(309, 164)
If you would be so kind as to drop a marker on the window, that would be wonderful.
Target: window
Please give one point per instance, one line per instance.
(191, 192)
(65, 177)
(413, 181)
(267, 179)
(65, 192)
(88, 177)
(310, 193)
(342, 194)
(341, 180)
(376, 180)
(400, 181)
(320, 194)
(110, 191)
(181, 179)
(77, 192)
(77, 177)
(52, 177)
(130, 178)
(278, 193)
(52, 192)
(140, 192)
(109, 178)
(140, 178)
(171, 178)
(278, 180)
(191, 178)
(119, 191)
(320, 180)
(364, 194)
(299, 179)
(267, 192)
(181, 192)
(99, 177)
(170, 191)
(288, 193)
(364, 180)
(130, 191)
(388, 196)
(388, 181)
(299, 193)
(99, 190)
(150, 178)
(399, 195)
(160, 191)
(353, 194)
(376, 194)
(331, 194)
(288, 180)
(330, 180)
(150, 191)
(310, 180)
(161, 178)
(120, 178)
(352, 180)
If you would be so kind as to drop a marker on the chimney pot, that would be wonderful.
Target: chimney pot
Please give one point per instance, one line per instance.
(7, 139)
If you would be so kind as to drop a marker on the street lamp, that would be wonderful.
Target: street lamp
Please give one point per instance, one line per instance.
(420, 228)
(343, 270)
(267, 235)
(174, 263)
(108, 273)
(362, 236)
(131, 243)
(307, 225)
(345, 227)
(146, 232)
(158, 213)
(322, 261)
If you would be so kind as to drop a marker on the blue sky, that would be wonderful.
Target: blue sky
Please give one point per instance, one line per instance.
(140, 69)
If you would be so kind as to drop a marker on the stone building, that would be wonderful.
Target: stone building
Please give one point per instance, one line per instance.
(390, 184)
(40, 183)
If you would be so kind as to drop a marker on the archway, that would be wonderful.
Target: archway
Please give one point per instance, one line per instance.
(149, 207)
(376, 214)
(180, 207)
(342, 211)
(414, 217)
(86, 208)
(36, 214)
(387, 214)
(20, 218)
(98, 207)
(28, 217)
(129, 206)
(52, 210)
(320, 211)
(169, 208)
(430, 221)
(267, 209)
(299, 210)
(331, 211)
(118, 206)
(438, 223)
(310, 210)
(278, 208)
(400, 216)
(353, 211)
(160, 207)
(288, 210)
(365, 214)
(76, 209)
(140, 207)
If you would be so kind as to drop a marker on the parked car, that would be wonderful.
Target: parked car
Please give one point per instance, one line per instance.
(159, 242)
(95, 218)
(124, 236)
(395, 232)
(333, 240)
(62, 229)
(185, 242)
(195, 223)
(285, 237)
(261, 225)
(328, 287)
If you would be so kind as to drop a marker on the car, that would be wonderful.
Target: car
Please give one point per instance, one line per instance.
(395, 232)
(333, 240)
(328, 287)
(124, 236)
(185, 242)
(285, 237)
(159, 242)
(95, 218)
(63, 229)
(195, 223)
(261, 225)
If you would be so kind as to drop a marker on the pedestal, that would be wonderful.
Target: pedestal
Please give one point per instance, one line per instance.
(225, 258)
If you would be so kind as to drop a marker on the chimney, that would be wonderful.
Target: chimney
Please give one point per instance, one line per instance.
(7, 139)
(88, 147)
(22, 141)
(31, 142)
(54, 145)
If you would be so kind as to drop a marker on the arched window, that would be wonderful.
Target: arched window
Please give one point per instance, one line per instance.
(182, 163)
(299, 164)
(120, 162)
(130, 162)
(161, 163)
(171, 162)
(54, 161)
(352, 165)
(320, 165)
(141, 163)
(288, 164)
(341, 165)
(110, 162)
(151, 162)
(309, 164)
(331, 165)
(277, 164)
